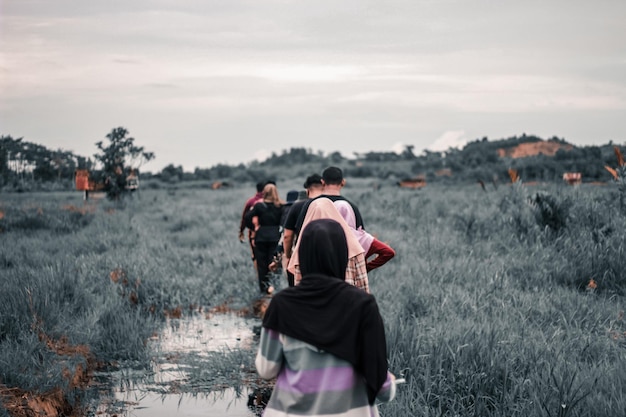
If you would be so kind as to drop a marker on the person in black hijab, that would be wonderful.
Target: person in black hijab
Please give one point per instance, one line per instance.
(324, 339)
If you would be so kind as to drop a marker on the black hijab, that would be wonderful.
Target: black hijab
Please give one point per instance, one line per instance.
(328, 313)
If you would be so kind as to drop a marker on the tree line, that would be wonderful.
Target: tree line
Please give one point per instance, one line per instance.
(25, 164)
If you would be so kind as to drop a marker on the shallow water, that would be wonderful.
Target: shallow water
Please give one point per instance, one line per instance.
(145, 393)
(213, 405)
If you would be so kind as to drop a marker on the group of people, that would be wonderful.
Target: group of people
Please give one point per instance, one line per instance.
(274, 225)
(323, 337)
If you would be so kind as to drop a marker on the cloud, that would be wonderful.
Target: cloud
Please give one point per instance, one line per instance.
(261, 155)
(294, 72)
(449, 139)
(398, 147)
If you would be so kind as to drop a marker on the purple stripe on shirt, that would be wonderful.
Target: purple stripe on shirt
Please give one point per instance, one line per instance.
(273, 334)
(316, 380)
(387, 383)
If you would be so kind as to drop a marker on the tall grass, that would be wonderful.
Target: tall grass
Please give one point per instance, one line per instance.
(58, 260)
(488, 308)
(488, 304)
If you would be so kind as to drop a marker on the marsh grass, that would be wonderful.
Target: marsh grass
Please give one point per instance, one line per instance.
(56, 271)
(488, 307)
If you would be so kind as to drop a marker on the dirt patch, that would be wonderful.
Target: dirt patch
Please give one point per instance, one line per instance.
(87, 209)
(548, 148)
(55, 402)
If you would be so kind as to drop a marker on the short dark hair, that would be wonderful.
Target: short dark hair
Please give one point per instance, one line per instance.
(332, 175)
(260, 185)
(292, 196)
(312, 180)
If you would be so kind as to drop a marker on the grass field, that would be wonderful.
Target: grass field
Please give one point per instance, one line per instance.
(508, 302)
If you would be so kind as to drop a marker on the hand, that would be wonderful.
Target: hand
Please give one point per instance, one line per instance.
(241, 238)
(273, 266)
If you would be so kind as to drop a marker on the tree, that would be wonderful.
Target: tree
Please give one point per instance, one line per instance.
(172, 173)
(119, 158)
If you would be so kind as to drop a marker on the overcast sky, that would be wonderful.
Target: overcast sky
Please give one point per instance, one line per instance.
(201, 82)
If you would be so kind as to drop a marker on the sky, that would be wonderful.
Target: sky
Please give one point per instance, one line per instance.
(202, 82)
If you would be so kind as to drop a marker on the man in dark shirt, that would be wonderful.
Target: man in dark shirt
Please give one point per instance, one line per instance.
(333, 181)
(313, 186)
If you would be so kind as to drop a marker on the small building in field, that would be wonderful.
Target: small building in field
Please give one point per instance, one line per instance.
(572, 178)
(81, 179)
(219, 184)
(417, 182)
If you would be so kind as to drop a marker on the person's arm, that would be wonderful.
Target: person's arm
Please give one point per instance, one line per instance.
(252, 221)
(288, 242)
(383, 254)
(269, 357)
(388, 390)
(242, 224)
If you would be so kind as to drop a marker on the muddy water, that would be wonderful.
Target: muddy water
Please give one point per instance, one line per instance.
(148, 393)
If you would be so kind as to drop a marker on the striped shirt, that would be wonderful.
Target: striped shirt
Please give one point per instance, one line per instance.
(311, 382)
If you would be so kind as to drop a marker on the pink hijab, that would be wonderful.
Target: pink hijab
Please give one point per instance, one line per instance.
(323, 208)
(346, 211)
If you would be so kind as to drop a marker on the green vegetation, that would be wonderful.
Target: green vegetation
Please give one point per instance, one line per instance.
(27, 166)
(101, 276)
(493, 312)
(119, 158)
(505, 302)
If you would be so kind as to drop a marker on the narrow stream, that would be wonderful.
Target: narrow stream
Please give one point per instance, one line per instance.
(150, 394)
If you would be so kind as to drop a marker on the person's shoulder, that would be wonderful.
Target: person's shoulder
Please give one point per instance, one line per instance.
(298, 204)
(334, 198)
(357, 294)
(258, 205)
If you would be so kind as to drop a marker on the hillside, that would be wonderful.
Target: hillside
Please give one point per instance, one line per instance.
(548, 148)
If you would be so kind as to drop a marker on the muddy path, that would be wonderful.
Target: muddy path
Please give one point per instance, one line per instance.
(202, 365)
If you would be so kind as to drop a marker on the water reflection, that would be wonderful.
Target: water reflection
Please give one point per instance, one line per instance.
(151, 404)
(182, 345)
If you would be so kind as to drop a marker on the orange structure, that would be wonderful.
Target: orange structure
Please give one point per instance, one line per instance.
(85, 184)
(81, 178)
(572, 178)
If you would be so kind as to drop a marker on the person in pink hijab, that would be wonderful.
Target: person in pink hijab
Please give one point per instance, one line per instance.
(373, 247)
(356, 272)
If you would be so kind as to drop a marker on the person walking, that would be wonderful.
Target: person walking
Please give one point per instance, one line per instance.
(355, 273)
(243, 224)
(313, 186)
(266, 217)
(380, 251)
(278, 260)
(333, 181)
(324, 340)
